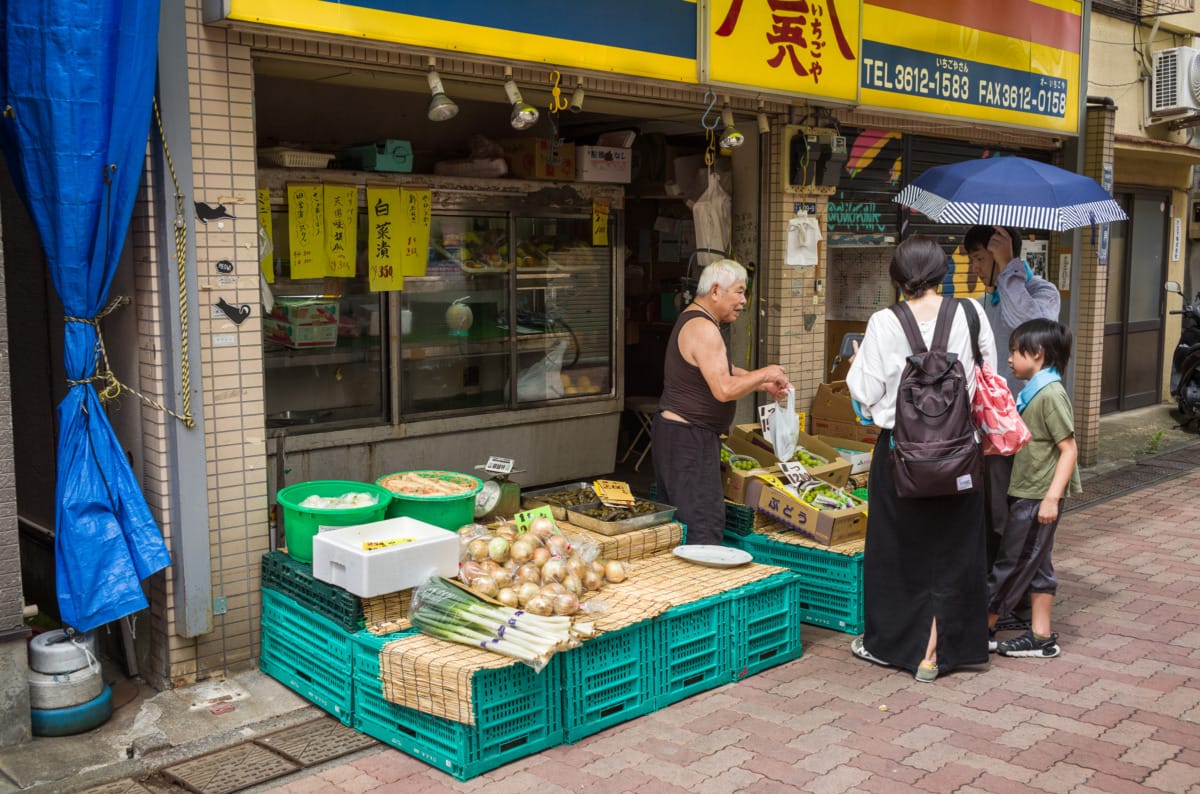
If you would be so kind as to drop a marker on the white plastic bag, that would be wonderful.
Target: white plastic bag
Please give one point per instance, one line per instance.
(785, 427)
(543, 380)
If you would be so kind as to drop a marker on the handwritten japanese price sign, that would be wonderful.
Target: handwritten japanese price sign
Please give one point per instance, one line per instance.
(383, 231)
(599, 222)
(267, 262)
(416, 209)
(306, 231)
(341, 230)
(793, 46)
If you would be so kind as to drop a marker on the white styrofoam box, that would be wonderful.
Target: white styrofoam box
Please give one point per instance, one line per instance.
(341, 559)
(603, 164)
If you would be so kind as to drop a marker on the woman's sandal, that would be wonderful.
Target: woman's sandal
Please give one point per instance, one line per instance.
(926, 672)
(857, 648)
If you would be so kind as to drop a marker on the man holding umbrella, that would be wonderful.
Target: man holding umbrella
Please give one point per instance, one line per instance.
(1014, 295)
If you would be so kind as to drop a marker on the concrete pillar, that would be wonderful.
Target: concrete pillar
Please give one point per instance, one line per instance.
(14, 685)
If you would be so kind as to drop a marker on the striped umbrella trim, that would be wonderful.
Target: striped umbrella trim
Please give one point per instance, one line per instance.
(1054, 219)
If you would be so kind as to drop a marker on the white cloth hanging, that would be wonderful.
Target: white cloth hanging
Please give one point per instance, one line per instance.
(803, 234)
(711, 215)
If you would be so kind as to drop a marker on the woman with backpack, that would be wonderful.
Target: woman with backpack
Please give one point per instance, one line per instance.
(924, 576)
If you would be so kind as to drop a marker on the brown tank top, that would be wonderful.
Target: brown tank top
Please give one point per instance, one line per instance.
(685, 392)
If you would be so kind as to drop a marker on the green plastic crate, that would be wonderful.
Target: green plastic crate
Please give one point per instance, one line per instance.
(517, 713)
(295, 580)
(608, 679)
(307, 653)
(739, 519)
(766, 618)
(833, 609)
(366, 647)
(842, 571)
(694, 651)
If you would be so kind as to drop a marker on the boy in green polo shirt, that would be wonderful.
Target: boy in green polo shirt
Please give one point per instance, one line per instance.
(1044, 473)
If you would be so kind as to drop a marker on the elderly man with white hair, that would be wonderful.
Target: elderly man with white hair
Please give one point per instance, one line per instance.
(700, 392)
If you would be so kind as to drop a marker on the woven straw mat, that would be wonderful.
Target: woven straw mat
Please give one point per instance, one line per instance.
(388, 613)
(773, 530)
(435, 677)
(630, 545)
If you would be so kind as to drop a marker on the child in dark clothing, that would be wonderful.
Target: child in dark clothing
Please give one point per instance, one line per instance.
(1044, 473)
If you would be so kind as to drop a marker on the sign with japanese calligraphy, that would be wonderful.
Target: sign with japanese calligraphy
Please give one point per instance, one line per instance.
(306, 231)
(341, 230)
(416, 210)
(1014, 63)
(599, 222)
(267, 261)
(804, 47)
(383, 239)
(646, 38)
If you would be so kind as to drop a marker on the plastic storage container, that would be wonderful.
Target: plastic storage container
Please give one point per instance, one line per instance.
(301, 523)
(383, 557)
(448, 511)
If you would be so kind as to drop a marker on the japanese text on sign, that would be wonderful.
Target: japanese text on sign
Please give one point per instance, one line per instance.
(416, 208)
(797, 34)
(267, 261)
(341, 230)
(900, 70)
(599, 223)
(383, 252)
(306, 231)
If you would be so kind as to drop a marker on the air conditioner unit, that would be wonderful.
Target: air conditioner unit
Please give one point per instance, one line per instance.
(1176, 84)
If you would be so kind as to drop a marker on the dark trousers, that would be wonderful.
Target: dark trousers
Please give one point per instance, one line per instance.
(1024, 564)
(687, 471)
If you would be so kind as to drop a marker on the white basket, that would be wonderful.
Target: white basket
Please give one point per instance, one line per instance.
(294, 158)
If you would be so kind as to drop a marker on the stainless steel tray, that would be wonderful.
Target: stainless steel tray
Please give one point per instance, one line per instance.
(530, 499)
(661, 516)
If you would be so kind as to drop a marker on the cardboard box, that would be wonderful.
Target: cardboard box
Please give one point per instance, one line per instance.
(384, 556)
(299, 337)
(835, 472)
(832, 401)
(535, 158)
(740, 485)
(307, 311)
(826, 526)
(603, 164)
(857, 452)
(853, 431)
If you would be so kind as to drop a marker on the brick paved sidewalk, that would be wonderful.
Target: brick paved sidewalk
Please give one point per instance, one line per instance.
(1118, 711)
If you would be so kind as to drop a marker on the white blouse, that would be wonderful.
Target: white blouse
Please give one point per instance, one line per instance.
(874, 376)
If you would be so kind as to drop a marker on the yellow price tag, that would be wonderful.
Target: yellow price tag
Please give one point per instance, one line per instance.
(613, 493)
(373, 545)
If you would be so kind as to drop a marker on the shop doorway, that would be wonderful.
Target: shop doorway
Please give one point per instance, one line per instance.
(1133, 305)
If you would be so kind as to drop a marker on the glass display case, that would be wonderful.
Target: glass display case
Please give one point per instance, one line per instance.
(515, 311)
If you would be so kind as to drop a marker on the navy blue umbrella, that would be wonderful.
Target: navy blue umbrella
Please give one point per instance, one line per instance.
(1010, 191)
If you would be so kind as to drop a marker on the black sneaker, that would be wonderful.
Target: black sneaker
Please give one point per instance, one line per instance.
(1011, 622)
(1028, 645)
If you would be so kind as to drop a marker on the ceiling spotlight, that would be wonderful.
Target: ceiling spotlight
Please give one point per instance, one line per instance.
(524, 115)
(441, 107)
(730, 137)
(576, 98)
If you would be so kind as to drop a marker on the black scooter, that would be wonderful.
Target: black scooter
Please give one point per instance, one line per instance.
(1185, 365)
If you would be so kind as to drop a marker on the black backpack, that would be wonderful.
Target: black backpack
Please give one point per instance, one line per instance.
(935, 451)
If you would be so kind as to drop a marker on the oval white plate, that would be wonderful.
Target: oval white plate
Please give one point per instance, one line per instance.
(713, 556)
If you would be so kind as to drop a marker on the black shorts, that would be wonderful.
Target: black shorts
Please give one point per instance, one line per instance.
(687, 470)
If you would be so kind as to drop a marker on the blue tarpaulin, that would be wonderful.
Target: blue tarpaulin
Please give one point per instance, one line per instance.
(77, 78)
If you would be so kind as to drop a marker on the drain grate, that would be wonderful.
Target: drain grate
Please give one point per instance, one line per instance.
(1109, 486)
(316, 742)
(118, 787)
(233, 769)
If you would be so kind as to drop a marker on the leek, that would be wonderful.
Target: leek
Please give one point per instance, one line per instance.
(450, 613)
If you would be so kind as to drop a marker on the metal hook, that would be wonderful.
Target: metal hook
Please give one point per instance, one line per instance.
(557, 100)
(711, 98)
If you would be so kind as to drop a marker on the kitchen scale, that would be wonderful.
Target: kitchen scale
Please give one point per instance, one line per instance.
(499, 496)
